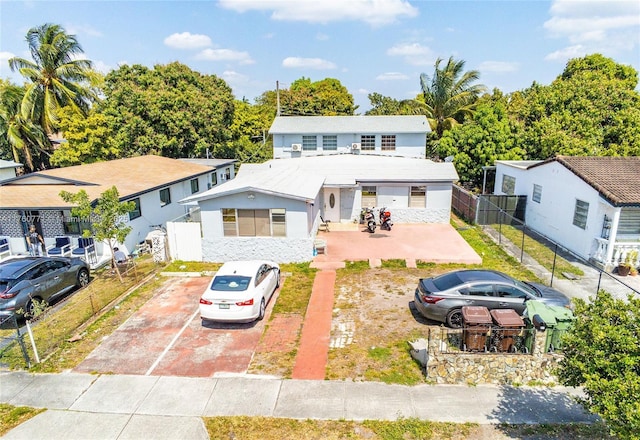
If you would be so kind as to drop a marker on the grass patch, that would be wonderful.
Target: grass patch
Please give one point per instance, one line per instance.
(296, 291)
(12, 416)
(55, 327)
(356, 266)
(394, 264)
(420, 264)
(191, 266)
(537, 250)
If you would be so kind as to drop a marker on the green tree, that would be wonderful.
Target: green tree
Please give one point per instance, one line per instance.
(602, 355)
(385, 105)
(479, 142)
(591, 109)
(449, 95)
(56, 77)
(169, 110)
(23, 140)
(327, 97)
(249, 133)
(106, 216)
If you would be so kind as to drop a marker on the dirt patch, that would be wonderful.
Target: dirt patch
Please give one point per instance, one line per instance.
(373, 319)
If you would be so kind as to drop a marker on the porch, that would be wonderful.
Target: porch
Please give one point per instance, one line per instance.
(609, 254)
(429, 242)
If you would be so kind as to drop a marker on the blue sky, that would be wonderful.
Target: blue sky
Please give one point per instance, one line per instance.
(369, 45)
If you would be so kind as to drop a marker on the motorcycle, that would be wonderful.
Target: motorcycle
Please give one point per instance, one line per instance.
(369, 219)
(385, 219)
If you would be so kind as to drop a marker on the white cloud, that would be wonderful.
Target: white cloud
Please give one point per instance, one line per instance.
(187, 40)
(102, 67)
(414, 54)
(225, 55)
(373, 12)
(233, 77)
(392, 76)
(82, 30)
(4, 66)
(362, 92)
(608, 27)
(307, 63)
(499, 66)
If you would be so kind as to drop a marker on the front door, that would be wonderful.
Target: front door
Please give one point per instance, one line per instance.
(331, 204)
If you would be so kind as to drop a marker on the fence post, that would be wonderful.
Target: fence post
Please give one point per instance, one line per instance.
(21, 342)
(500, 227)
(553, 268)
(524, 226)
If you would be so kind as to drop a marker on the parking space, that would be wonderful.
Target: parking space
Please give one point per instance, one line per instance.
(167, 337)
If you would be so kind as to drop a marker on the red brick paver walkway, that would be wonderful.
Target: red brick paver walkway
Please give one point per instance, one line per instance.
(313, 353)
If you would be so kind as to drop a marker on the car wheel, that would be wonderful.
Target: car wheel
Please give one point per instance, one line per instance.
(454, 318)
(263, 309)
(83, 277)
(34, 307)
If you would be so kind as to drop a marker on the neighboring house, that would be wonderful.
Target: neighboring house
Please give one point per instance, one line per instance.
(8, 169)
(272, 210)
(153, 183)
(295, 136)
(590, 205)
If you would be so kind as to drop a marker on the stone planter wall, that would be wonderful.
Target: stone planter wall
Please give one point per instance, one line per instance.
(479, 368)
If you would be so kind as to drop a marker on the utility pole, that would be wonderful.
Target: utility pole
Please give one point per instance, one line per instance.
(277, 98)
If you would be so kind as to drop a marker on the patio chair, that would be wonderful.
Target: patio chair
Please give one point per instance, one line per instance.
(324, 224)
(61, 248)
(5, 247)
(86, 250)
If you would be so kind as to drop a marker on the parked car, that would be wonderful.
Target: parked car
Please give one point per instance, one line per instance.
(240, 291)
(441, 298)
(26, 281)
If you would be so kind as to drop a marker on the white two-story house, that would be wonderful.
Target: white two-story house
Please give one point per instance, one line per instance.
(299, 136)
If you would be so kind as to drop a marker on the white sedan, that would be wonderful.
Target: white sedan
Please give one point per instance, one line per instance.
(240, 291)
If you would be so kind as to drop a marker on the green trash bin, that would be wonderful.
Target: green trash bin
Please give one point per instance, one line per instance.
(564, 321)
(548, 317)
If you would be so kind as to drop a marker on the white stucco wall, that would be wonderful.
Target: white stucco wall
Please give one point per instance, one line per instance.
(553, 216)
(281, 250)
(407, 145)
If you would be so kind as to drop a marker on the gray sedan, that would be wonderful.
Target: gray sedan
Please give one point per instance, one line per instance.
(441, 298)
(26, 281)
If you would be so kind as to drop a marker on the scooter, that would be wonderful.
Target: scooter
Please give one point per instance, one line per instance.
(385, 219)
(369, 219)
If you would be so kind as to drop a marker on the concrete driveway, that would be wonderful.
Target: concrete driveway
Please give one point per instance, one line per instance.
(432, 242)
(167, 337)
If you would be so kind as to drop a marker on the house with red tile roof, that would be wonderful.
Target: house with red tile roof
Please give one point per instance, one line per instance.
(590, 205)
(153, 183)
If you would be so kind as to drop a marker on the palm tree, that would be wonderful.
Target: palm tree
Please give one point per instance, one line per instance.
(449, 95)
(55, 78)
(25, 138)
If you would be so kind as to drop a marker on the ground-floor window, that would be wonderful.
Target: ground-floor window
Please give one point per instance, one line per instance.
(388, 142)
(74, 225)
(580, 214)
(254, 222)
(330, 142)
(418, 197)
(309, 143)
(369, 195)
(368, 142)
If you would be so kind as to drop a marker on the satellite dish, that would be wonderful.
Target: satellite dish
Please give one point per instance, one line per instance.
(448, 159)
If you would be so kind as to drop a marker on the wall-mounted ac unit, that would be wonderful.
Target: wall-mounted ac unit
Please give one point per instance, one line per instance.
(355, 146)
(296, 147)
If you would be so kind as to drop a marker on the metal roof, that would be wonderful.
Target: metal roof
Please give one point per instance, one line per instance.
(303, 177)
(349, 124)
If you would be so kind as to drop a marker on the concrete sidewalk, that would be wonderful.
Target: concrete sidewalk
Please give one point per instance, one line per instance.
(84, 406)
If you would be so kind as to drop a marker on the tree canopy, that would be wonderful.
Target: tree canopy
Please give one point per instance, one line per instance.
(602, 355)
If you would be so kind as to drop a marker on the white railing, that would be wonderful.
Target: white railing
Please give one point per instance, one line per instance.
(621, 251)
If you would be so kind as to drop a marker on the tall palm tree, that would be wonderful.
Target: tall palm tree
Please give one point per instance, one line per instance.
(25, 138)
(449, 95)
(56, 79)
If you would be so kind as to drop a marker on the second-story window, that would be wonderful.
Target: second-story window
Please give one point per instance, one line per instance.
(368, 142)
(165, 197)
(388, 142)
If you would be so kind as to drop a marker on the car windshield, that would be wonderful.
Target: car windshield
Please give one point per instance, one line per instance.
(447, 281)
(230, 283)
(4, 285)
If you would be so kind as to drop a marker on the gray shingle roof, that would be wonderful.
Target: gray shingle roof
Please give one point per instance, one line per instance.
(303, 177)
(349, 124)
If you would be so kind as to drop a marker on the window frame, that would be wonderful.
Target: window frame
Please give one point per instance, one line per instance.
(508, 184)
(371, 192)
(330, 142)
(309, 142)
(137, 211)
(236, 222)
(368, 142)
(79, 224)
(166, 200)
(197, 185)
(536, 196)
(420, 199)
(214, 178)
(581, 214)
(388, 142)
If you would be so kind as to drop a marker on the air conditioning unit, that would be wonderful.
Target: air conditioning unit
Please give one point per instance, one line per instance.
(355, 146)
(296, 147)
